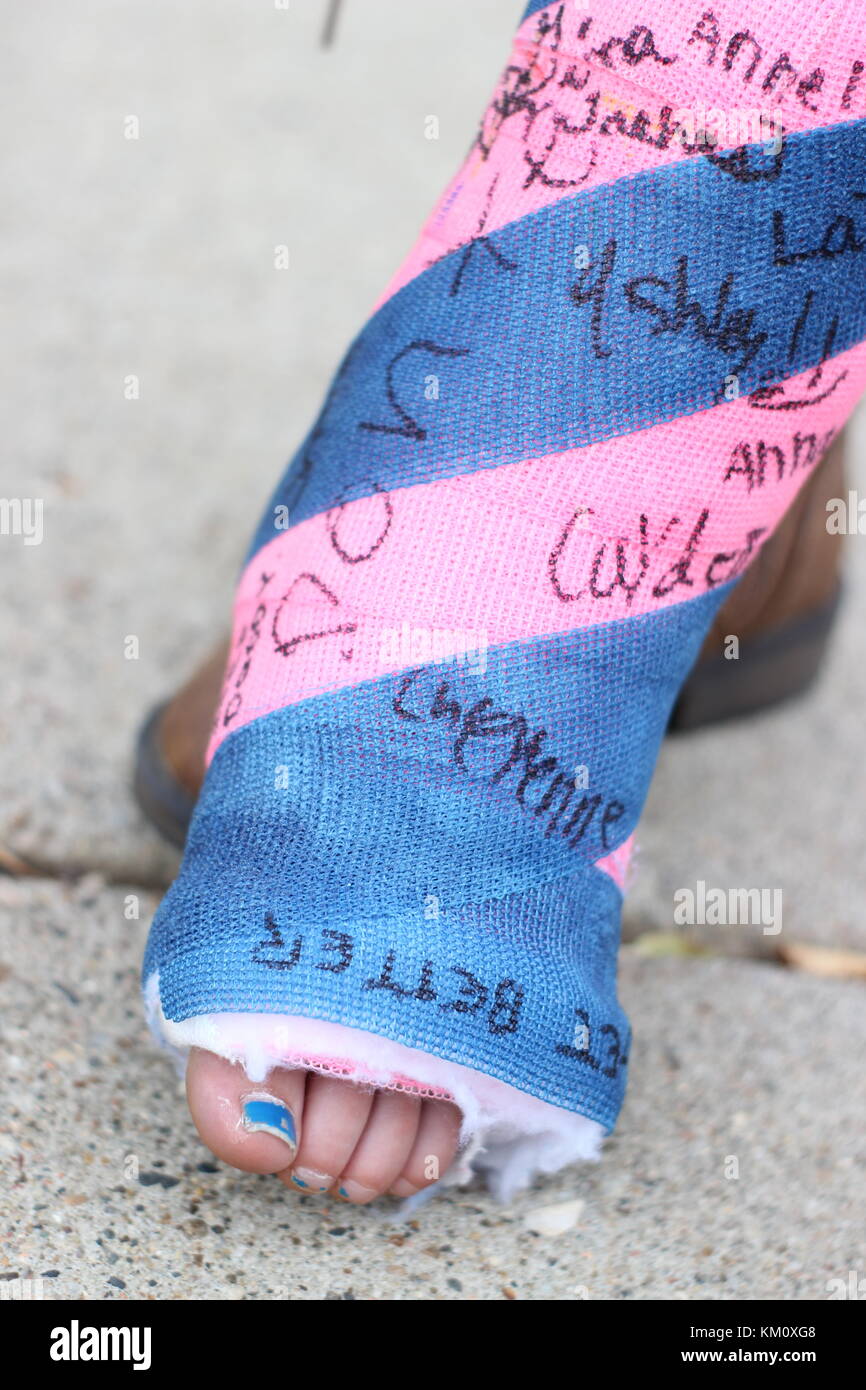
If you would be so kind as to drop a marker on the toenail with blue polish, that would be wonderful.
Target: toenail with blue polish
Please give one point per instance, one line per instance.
(311, 1181)
(264, 1115)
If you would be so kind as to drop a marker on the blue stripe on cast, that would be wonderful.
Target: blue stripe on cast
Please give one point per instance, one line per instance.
(533, 6)
(414, 856)
(502, 987)
(523, 370)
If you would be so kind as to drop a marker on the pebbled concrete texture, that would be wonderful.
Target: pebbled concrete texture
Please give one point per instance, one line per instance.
(736, 1172)
(153, 258)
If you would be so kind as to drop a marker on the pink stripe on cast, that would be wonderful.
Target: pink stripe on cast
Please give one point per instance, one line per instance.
(524, 549)
(588, 98)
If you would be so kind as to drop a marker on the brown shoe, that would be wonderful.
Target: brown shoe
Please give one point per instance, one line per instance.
(782, 613)
(171, 746)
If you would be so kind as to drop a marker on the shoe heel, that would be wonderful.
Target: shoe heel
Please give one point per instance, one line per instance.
(771, 669)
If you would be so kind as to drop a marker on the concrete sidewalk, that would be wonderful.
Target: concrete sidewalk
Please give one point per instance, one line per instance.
(730, 1175)
(158, 372)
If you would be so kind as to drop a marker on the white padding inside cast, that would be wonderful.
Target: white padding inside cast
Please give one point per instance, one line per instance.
(507, 1135)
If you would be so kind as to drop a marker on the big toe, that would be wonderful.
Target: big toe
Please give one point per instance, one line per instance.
(254, 1128)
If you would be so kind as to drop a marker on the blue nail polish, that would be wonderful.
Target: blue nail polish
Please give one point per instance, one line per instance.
(299, 1182)
(262, 1115)
(342, 1191)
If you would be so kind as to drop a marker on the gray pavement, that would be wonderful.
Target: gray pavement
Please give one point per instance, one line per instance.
(153, 258)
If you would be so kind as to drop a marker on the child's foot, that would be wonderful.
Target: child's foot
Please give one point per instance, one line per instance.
(320, 1133)
(538, 476)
